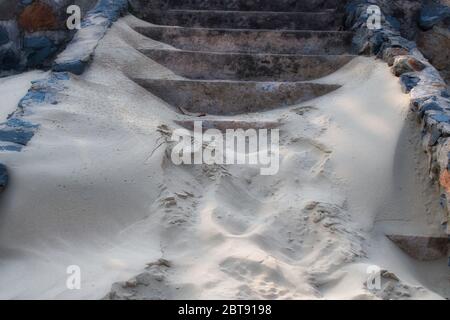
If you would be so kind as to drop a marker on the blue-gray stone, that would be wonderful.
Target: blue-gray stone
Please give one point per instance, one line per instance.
(31, 97)
(408, 82)
(75, 67)
(111, 9)
(429, 107)
(440, 117)
(4, 37)
(9, 60)
(3, 177)
(38, 49)
(19, 123)
(17, 135)
(393, 22)
(11, 148)
(38, 42)
(433, 14)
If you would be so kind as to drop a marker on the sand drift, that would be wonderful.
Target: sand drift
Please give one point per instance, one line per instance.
(96, 187)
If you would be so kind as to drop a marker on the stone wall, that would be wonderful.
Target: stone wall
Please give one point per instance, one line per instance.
(33, 31)
(17, 130)
(430, 98)
(427, 22)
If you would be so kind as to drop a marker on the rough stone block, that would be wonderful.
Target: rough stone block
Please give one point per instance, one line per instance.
(432, 14)
(405, 64)
(422, 248)
(38, 16)
(4, 37)
(8, 9)
(408, 82)
(3, 177)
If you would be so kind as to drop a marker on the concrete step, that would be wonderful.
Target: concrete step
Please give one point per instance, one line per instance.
(253, 67)
(232, 97)
(252, 41)
(326, 20)
(253, 5)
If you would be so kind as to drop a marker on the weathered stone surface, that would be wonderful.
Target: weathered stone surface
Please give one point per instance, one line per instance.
(405, 64)
(253, 5)
(78, 53)
(408, 82)
(432, 14)
(390, 53)
(252, 67)
(38, 16)
(38, 49)
(3, 177)
(4, 37)
(444, 180)
(18, 136)
(17, 131)
(422, 248)
(9, 59)
(252, 41)
(404, 11)
(8, 9)
(435, 45)
(233, 97)
(429, 106)
(429, 99)
(326, 20)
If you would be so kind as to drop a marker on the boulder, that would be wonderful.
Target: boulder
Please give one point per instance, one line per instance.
(435, 45)
(37, 17)
(422, 248)
(432, 14)
(405, 64)
(389, 54)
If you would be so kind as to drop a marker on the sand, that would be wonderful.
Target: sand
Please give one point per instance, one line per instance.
(13, 88)
(96, 188)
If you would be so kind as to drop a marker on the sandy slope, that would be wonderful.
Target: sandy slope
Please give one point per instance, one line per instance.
(95, 188)
(13, 88)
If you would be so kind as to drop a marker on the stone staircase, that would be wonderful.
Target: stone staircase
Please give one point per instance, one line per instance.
(243, 56)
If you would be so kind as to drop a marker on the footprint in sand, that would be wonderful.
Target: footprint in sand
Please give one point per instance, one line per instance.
(258, 281)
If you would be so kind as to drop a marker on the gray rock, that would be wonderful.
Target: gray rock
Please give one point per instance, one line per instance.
(8, 9)
(4, 37)
(405, 64)
(432, 14)
(409, 81)
(422, 248)
(435, 45)
(3, 177)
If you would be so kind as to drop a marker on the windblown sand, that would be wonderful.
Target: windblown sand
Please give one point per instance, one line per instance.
(96, 188)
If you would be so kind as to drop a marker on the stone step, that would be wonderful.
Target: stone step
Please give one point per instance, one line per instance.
(224, 124)
(253, 5)
(326, 20)
(252, 41)
(232, 97)
(423, 248)
(249, 67)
